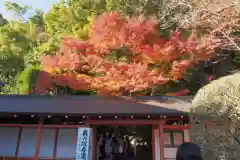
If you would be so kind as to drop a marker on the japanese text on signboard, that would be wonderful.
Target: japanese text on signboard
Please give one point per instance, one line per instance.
(83, 144)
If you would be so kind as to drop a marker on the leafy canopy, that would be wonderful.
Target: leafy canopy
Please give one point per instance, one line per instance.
(41, 35)
(121, 56)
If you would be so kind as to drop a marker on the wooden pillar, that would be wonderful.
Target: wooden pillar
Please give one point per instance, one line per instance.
(38, 139)
(156, 139)
(18, 141)
(94, 143)
(186, 135)
(153, 142)
(55, 143)
(161, 140)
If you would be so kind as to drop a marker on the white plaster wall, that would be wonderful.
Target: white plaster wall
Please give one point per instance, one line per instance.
(47, 143)
(67, 143)
(170, 153)
(8, 140)
(28, 142)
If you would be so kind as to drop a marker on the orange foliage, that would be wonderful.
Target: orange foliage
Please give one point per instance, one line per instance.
(78, 60)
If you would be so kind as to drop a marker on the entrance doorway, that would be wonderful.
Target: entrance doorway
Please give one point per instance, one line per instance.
(124, 142)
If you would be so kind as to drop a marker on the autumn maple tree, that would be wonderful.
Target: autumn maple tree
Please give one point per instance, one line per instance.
(121, 56)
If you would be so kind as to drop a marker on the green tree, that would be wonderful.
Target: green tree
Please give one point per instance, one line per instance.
(18, 40)
(16, 9)
(37, 18)
(43, 32)
(3, 21)
(74, 18)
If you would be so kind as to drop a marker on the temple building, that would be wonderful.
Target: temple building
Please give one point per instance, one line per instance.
(46, 127)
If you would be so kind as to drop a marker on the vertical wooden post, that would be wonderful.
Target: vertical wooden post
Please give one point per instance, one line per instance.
(153, 142)
(186, 135)
(161, 140)
(18, 141)
(38, 139)
(55, 143)
(94, 143)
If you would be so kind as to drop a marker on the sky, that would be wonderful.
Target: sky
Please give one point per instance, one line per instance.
(36, 4)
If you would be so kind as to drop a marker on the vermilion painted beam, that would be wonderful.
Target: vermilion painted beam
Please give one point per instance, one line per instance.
(19, 125)
(176, 127)
(31, 158)
(18, 141)
(104, 122)
(99, 122)
(38, 139)
(136, 122)
(123, 122)
(64, 126)
(37, 125)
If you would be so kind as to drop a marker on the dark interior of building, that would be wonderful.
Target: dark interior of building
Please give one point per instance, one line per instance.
(138, 138)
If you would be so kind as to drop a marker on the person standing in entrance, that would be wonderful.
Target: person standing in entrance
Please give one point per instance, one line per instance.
(108, 147)
(127, 146)
(101, 147)
(120, 143)
(118, 151)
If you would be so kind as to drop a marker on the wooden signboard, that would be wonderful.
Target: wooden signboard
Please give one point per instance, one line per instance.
(84, 151)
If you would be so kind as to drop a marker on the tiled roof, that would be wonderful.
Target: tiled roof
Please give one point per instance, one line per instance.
(92, 105)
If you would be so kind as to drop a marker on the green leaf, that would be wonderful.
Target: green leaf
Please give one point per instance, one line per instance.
(26, 80)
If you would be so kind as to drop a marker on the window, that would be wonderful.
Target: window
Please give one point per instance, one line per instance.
(173, 138)
(47, 143)
(8, 140)
(28, 142)
(67, 143)
(167, 138)
(177, 138)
